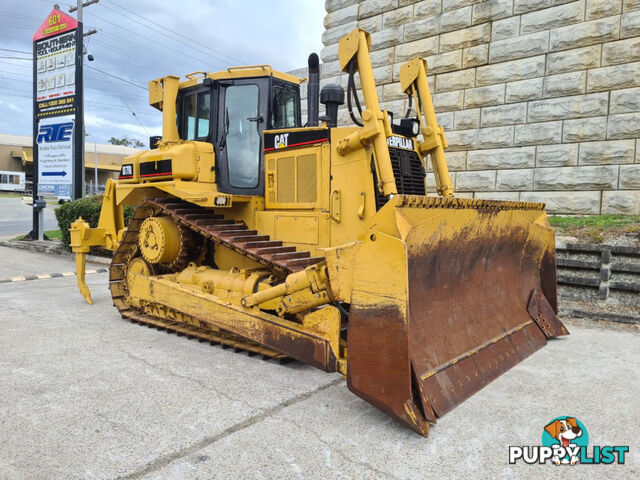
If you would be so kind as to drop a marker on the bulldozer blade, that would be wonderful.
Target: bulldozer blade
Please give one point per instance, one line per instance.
(445, 300)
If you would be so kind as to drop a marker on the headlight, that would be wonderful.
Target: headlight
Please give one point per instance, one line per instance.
(410, 127)
(415, 128)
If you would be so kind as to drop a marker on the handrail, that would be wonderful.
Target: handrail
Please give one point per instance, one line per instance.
(248, 67)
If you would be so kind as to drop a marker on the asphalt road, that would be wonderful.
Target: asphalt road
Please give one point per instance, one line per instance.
(17, 218)
(85, 394)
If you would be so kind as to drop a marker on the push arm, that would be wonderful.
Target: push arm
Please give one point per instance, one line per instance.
(354, 47)
(413, 81)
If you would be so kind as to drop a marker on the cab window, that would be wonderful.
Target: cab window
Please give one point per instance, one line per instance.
(243, 135)
(189, 117)
(285, 108)
(204, 113)
(196, 114)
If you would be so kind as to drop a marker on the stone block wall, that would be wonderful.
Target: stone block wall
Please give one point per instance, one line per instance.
(540, 99)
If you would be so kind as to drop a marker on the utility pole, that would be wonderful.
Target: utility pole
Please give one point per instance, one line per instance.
(80, 155)
(80, 6)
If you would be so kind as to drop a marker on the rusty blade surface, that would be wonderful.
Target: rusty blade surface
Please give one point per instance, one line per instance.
(476, 282)
(379, 369)
(468, 312)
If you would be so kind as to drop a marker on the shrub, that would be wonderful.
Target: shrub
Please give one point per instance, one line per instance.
(89, 209)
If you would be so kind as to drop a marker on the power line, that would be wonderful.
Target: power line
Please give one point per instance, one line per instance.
(173, 40)
(14, 89)
(98, 77)
(15, 51)
(30, 27)
(17, 58)
(23, 96)
(2, 75)
(6, 13)
(132, 112)
(135, 56)
(166, 29)
(117, 77)
(98, 105)
(152, 40)
(16, 73)
(122, 51)
(135, 98)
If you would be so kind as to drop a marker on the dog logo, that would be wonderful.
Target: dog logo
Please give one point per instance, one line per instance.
(564, 442)
(566, 432)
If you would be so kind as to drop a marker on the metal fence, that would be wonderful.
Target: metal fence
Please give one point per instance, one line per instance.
(605, 278)
(92, 189)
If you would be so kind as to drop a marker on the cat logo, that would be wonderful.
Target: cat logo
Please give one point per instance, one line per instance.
(400, 142)
(281, 141)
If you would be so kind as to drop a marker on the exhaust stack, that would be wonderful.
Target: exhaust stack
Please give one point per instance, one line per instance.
(313, 90)
(163, 93)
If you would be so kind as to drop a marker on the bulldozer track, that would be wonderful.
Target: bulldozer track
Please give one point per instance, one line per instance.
(235, 235)
(224, 339)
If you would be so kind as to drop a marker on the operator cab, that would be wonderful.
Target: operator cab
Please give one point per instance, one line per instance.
(231, 109)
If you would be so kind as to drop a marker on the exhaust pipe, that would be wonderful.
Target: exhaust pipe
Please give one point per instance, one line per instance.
(313, 90)
(162, 95)
(170, 86)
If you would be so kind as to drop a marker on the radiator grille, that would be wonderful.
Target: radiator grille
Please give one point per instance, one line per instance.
(408, 172)
(286, 180)
(307, 178)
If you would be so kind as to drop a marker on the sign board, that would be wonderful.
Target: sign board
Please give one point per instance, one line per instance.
(56, 76)
(55, 155)
(57, 108)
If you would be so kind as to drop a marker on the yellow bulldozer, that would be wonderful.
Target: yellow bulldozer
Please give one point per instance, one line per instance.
(325, 244)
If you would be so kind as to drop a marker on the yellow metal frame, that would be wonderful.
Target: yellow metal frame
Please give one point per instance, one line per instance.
(316, 340)
(376, 128)
(413, 81)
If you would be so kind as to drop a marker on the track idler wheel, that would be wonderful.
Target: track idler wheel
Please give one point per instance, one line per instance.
(160, 240)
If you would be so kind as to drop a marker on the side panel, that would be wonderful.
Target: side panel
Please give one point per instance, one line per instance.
(352, 191)
(190, 161)
(297, 196)
(294, 178)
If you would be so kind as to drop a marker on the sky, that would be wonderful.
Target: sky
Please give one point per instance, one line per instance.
(141, 40)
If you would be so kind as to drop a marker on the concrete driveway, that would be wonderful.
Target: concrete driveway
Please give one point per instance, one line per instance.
(85, 394)
(17, 218)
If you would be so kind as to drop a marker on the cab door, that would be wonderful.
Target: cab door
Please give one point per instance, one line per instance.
(242, 114)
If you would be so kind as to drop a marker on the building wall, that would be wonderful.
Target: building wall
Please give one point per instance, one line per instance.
(7, 162)
(540, 99)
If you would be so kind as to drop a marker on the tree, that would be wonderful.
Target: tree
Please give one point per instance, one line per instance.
(126, 141)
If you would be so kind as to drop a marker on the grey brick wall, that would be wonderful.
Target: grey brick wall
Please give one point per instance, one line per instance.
(540, 98)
